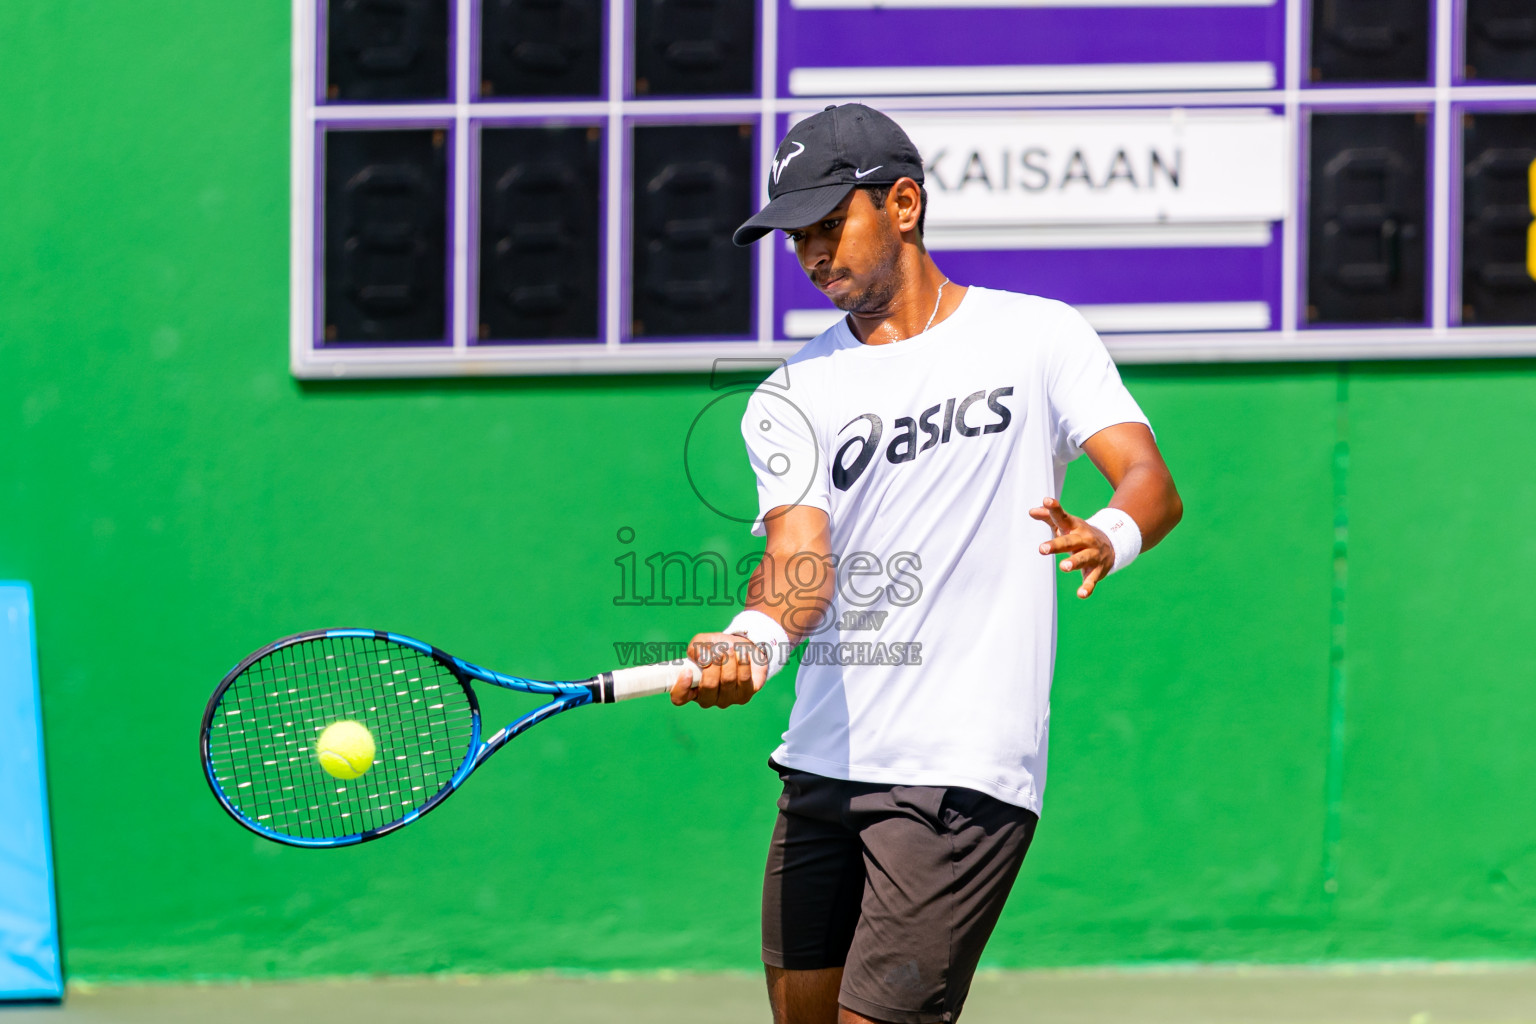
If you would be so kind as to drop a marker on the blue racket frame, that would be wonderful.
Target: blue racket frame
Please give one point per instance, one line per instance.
(565, 696)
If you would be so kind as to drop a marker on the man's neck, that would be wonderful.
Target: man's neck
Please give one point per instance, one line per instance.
(923, 299)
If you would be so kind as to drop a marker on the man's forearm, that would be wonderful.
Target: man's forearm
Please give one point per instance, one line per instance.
(1146, 493)
(795, 588)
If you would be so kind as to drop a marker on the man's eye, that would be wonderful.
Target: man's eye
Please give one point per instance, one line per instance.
(831, 225)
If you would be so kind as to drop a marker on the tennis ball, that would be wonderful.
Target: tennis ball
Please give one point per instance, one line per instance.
(345, 749)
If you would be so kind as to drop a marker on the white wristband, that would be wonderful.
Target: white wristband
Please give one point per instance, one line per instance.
(1123, 533)
(764, 631)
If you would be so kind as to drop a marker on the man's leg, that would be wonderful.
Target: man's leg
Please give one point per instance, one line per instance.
(939, 863)
(812, 888)
(809, 997)
(804, 997)
(877, 900)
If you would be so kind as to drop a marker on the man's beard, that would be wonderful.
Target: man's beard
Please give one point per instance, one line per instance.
(884, 286)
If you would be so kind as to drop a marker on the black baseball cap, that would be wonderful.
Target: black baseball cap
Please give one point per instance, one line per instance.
(825, 156)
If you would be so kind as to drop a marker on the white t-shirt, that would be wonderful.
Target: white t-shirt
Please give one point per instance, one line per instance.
(933, 667)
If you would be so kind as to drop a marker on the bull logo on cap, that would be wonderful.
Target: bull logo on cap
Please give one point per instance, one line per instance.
(779, 165)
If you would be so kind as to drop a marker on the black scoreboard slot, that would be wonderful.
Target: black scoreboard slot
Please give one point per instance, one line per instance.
(386, 227)
(692, 188)
(1365, 218)
(387, 50)
(1498, 210)
(541, 48)
(692, 47)
(539, 246)
(1370, 40)
(1501, 40)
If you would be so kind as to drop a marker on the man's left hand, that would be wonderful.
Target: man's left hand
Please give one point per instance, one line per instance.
(1088, 548)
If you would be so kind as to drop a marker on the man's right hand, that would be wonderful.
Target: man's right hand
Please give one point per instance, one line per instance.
(734, 670)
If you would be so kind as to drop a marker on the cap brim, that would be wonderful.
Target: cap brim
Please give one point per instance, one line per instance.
(792, 210)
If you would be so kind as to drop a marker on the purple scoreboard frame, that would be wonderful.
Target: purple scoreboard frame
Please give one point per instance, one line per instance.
(1226, 285)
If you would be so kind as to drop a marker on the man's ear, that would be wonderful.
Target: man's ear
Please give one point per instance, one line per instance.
(906, 201)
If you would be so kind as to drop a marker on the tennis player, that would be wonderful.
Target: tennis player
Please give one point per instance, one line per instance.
(908, 464)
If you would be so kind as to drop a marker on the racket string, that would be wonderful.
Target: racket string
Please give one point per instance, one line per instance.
(317, 789)
(263, 739)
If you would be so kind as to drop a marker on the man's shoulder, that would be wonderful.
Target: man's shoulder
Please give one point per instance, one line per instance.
(1034, 309)
(799, 370)
(1046, 329)
(815, 352)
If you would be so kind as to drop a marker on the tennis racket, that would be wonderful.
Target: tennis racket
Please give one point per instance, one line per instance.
(262, 726)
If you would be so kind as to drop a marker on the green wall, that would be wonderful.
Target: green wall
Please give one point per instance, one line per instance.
(1300, 730)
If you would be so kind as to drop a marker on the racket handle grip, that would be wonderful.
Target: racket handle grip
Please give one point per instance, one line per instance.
(642, 680)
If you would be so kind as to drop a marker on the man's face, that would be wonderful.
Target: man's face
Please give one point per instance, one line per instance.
(851, 254)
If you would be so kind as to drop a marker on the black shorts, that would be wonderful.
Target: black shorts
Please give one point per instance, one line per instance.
(898, 885)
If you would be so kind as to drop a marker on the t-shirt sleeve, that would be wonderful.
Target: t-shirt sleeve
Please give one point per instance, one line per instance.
(783, 450)
(1084, 387)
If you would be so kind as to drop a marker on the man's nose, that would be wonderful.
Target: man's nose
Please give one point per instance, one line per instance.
(814, 253)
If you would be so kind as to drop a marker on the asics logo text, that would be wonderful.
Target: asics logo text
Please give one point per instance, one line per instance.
(855, 455)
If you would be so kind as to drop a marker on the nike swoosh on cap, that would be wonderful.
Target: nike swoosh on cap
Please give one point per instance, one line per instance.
(860, 174)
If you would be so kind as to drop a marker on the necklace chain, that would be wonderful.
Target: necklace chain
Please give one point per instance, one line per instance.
(936, 300)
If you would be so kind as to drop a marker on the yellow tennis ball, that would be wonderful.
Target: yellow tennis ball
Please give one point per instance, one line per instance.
(346, 749)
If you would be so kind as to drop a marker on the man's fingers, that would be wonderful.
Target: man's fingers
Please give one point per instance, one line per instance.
(751, 670)
(748, 659)
(759, 673)
(1091, 579)
(1076, 561)
(1058, 516)
(728, 680)
(733, 670)
(708, 658)
(1089, 552)
(1058, 520)
(734, 692)
(1083, 559)
(682, 690)
(1074, 541)
(725, 689)
(709, 687)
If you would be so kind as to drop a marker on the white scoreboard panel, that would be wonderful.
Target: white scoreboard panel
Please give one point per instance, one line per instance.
(549, 186)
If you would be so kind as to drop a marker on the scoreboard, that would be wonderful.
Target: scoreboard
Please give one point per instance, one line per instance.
(550, 186)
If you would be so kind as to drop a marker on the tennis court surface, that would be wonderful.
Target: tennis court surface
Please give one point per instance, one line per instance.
(1439, 994)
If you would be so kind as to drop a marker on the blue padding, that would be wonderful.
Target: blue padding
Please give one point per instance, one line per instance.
(29, 924)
